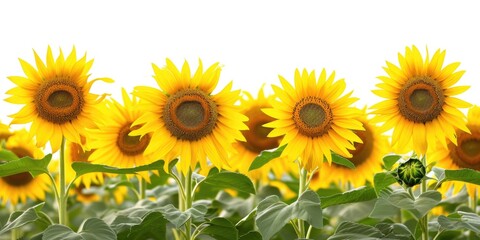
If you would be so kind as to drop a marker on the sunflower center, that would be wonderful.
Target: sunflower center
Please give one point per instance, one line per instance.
(23, 178)
(190, 114)
(131, 145)
(256, 136)
(362, 151)
(421, 99)
(312, 116)
(59, 101)
(467, 153)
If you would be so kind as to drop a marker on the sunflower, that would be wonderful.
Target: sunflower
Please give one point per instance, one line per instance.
(366, 156)
(75, 152)
(314, 118)
(186, 120)
(5, 132)
(256, 139)
(56, 98)
(465, 154)
(420, 105)
(20, 186)
(112, 143)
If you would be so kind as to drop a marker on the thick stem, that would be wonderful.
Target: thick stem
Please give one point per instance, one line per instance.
(302, 187)
(142, 188)
(62, 203)
(186, 200)
(14, 233)
(424, 219)
(473, 201)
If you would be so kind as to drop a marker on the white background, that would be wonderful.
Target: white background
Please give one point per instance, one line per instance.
(255, 41)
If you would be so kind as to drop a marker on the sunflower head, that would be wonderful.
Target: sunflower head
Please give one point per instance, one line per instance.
(411, 172)
(113, 143)
(464, 154)
(186, 119)
(314, 117)
(56, 97)
(18, 187)
(257, 139)
(75, 152)
(367, 157)
(420, 104)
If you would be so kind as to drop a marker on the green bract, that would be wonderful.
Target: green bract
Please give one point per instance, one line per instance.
(411, 172)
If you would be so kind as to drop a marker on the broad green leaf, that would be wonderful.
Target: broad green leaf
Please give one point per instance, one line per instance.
(178, 218)
(389, 203)
(390, 160)
(153, 226)
(7, 155)
(273, 214)
(21, 218)
(337, 159)
(230, 180)
(253, 235)
(25, 164)
(91, 229)
(355, 195)
(350, 230)
(460, 221)
(265, 157)
(382, 180)
(220, 229)
(82, 168)
(464, 175)
(395, 231)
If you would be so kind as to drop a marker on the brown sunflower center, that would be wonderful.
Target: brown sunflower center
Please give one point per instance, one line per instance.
(467, 153)
(421, 99)
(19, 179)
(190, 114)
(59, 101)
(131, 145)
(362, 151)
(312, 116)
(256, 136)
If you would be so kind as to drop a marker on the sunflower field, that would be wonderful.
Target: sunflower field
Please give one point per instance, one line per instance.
(189, 159)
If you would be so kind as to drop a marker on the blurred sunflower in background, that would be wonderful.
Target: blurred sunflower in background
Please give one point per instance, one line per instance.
(56, 98)
(464, 154)
(256, 139)
(5, 132)
(186, 120)
(314, 118)
(367, 157)
(75, 152)
(420, 105)
(18, 187)
(114, 145)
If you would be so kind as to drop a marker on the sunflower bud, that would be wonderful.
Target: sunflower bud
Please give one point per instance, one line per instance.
(411, 172)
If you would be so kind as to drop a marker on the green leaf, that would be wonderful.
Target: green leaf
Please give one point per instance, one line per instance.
(356, 195)
(463, 175)
(25, 164)
(91, 229)
(265, 157)
(389, 203)
(337, 159)
(230, 180)
(220, 229)
(390, 160)
(351, 230)
(20, 218)
(7, 155)
(460, 221)
(253, 235)
(82, 168)
(153, 226)
(178, 218)
(382, 180)
(273, 214)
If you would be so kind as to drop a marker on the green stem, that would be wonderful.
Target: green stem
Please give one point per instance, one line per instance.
(62, 203)
(142, 188)
(302, 187)
(186, 200)
(424, 219)
(14, 233)
(473, 201)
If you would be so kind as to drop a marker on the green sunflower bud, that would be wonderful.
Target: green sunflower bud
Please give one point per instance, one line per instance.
(411, 172)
